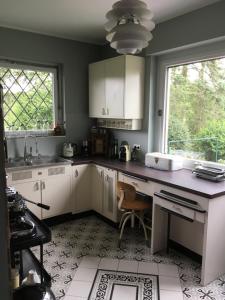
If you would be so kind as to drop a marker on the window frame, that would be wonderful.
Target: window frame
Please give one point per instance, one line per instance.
(176, 58)
(58, 112)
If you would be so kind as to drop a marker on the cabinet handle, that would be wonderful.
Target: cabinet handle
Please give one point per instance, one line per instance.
(107, 111)
(103, 111)
(76, 173)
(134, 183)
(102, 172)
(107, 177)
(36, 186)
(43, 185)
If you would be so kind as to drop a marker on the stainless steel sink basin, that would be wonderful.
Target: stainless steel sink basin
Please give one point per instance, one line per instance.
(19, 163)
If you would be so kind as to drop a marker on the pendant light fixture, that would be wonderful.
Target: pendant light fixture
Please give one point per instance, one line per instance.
(129, 26)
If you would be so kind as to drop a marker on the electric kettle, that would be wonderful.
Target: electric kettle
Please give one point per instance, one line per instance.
(68, 150)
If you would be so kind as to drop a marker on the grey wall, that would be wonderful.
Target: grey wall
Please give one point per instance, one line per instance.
(205, 25)
(74, 57)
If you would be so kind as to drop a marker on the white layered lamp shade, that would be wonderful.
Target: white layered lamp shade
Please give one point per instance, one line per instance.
(129, 25)
(129, 38)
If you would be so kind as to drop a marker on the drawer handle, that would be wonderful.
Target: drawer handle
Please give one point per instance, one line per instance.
(76, 173)
(134, 183)
(177, 208)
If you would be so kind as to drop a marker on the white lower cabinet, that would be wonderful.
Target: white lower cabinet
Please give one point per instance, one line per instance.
(69, 189)
(31, 190)
(104, 199)
(50, 186)
(56, 194)
(97, 188)
(81, 188)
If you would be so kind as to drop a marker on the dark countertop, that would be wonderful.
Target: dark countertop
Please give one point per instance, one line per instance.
(181, 179)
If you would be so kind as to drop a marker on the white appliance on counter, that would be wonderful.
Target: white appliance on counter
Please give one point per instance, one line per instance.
(68, 150)
(163, 162)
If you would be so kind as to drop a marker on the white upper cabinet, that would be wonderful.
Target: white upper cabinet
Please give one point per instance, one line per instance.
(96, 90)
(116, 88)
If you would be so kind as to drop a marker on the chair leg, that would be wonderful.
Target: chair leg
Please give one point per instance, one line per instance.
(122, 218)
(123, 226)
(145, 231)
(132, 219)
(142, 217)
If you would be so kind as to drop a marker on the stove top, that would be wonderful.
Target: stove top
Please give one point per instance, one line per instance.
(20, 224)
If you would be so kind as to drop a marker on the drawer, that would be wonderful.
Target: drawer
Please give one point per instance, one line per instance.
(179, 209)
(140, 185)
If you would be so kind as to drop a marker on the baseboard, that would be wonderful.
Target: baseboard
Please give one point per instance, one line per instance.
(180, 248)
(58, 219)
(82, 214)
(68, 217)
(113, 224)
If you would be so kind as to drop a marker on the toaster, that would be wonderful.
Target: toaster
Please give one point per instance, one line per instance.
(124, 153)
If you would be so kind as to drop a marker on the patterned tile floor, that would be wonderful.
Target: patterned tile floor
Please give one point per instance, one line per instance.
(90, 236)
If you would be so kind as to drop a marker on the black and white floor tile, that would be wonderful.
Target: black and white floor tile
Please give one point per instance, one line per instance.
(75, 241)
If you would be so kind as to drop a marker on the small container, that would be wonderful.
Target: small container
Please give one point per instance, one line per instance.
(15, 278)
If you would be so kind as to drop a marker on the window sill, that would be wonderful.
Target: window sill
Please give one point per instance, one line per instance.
(191, 164)
(31, 133)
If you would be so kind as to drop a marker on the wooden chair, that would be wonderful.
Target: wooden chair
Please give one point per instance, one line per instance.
(131, 207)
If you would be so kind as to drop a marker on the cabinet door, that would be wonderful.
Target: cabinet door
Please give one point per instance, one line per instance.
(114, 85)
(97, 188)
(56, 193)
(32, 191)
(97, 90)
(110, 200)
(81, 188)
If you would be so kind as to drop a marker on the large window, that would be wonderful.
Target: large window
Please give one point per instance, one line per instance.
(195, 95)
(30, 96)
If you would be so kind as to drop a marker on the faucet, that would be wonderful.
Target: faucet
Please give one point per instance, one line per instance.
(28, 157)
(25, 149)
(37, 150)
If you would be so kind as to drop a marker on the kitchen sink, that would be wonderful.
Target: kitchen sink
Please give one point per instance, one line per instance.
(19, 163)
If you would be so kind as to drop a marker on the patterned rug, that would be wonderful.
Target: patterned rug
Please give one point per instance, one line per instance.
(112, 285)
(91, 236)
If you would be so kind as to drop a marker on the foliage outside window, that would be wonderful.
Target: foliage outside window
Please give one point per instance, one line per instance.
(28, 98)
(196, 116)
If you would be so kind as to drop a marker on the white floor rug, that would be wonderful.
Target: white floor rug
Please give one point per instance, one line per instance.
(114, 285)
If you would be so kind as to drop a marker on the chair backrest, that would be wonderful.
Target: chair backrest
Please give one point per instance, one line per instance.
(125, 191)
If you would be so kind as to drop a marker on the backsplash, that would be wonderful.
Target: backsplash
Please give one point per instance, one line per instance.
(48, 146)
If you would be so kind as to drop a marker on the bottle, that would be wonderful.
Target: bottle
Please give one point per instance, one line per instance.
(134, 154)
(115, 154)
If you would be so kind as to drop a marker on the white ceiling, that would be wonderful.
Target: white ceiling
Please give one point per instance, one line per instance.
(80, 20)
